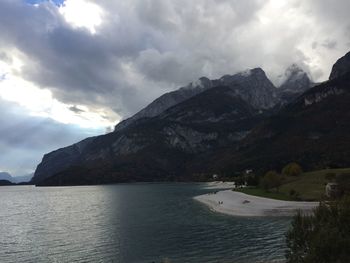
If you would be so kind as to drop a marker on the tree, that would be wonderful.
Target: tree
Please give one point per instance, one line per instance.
(271, 180)
(322, 237)
(292, 169)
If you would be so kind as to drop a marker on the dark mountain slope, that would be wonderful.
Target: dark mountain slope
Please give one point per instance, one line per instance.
(341, 67)
(168, 100)
(212, 106)
(223, 129)
(160, 148)
(252, 87)
(314, 130)
(6, 183)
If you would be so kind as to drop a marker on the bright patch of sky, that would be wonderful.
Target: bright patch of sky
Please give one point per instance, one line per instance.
(82, 14)
(40, 101)
(78, 13)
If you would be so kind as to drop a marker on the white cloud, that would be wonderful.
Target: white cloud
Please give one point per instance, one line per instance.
(82, 13)
(37, 101)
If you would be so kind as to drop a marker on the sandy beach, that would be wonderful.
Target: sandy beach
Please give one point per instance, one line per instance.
(240, 204)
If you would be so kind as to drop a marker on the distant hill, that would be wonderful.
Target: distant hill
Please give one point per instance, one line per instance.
(5, 176)
(16, 179)
(6, 183)
(23, 178)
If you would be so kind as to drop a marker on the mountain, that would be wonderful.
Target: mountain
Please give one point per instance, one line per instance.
(313, 130)
(237, 122)
(296, 81)
(15, 179)
(168, 100)
(341, 67)
(5, 176)
(60, 159)
(22, 179)
(5, 183)
(200, 118)
(158, 148)
(252, 85)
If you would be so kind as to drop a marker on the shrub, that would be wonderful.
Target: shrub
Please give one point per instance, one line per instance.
(271, 180)
(292, 192)
(292, 169)
(323, 237)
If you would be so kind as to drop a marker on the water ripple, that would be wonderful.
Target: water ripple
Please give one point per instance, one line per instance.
(129, 223)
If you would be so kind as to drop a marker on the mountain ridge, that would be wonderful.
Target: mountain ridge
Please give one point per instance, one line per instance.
(217, 129)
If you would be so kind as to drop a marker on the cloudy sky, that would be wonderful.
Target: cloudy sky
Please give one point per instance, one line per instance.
(70, 69)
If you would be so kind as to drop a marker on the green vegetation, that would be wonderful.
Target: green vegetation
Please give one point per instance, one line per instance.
(323, 237)
(292, 169)
(308, 186)
(271, 180)
(343, 180)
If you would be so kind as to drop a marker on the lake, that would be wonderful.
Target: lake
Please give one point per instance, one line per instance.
(129, 223)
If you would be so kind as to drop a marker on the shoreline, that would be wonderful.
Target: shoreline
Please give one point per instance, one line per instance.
(239, 204)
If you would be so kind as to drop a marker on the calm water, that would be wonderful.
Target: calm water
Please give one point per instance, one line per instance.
(129, 223)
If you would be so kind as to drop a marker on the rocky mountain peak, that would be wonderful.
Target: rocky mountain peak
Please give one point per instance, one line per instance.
(296, 80)
(253, 86)
(258, 72)
(202, 82)
(248, 74)
(341, 67)
(168, 100)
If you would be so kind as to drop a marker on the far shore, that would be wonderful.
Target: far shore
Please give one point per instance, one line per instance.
(219, 185)
(239, 204)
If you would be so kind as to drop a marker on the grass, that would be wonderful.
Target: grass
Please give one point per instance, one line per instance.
(310, 186)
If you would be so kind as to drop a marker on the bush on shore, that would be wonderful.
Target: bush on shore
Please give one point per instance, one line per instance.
(292, 169)
(323, 237)
(271, 180)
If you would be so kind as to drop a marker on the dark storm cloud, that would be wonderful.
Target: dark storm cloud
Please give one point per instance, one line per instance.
(77, 66)
(144, 48)
(75, 109)
(91, 69)
(330, 44)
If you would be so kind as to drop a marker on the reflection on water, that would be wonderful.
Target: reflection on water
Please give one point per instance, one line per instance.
(129, 223)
